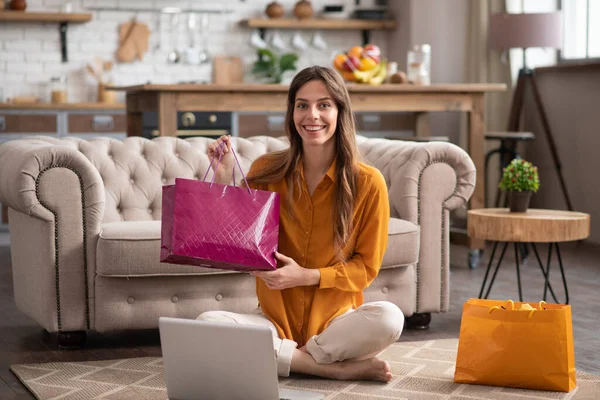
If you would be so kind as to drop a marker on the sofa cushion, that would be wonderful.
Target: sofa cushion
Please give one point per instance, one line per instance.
(403, 244)
(132, 248)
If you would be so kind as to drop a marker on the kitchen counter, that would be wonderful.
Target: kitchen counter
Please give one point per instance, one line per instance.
(65, 106)
(352, 88)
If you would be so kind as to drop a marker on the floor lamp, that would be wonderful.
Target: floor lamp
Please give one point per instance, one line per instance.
(523, 31)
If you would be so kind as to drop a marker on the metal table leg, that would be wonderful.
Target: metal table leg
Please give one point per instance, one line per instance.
(517, 245)
(495, 271)
(546, 272)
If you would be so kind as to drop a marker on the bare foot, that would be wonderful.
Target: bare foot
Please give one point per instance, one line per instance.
(372, 369)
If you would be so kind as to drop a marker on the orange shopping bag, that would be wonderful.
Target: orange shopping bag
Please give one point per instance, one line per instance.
(521, 345)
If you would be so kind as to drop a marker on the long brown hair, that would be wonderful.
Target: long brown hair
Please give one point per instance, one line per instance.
(284, 164)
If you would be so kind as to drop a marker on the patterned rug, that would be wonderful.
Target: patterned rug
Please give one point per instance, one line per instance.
(422, 371)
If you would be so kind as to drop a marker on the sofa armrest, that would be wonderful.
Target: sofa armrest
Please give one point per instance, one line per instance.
(56, 199)
(425, 182)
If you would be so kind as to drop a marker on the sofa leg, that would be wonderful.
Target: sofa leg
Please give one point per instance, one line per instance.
(71, 340)
(418, 321)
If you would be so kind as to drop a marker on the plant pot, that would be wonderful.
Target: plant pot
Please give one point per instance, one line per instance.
(519, 201)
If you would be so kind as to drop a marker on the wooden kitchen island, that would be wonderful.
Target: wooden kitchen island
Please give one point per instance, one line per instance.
(167, 100)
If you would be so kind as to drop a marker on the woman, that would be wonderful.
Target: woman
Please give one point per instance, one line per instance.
(333, 235)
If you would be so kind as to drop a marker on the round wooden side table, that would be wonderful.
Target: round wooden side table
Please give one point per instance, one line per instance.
(534, 226)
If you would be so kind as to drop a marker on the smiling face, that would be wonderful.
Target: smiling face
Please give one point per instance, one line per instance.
(315, 113)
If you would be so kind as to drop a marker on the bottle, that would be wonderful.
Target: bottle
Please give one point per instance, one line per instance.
(418, 65)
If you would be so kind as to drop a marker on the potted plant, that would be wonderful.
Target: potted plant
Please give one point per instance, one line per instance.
(272, 66)
(520, 179)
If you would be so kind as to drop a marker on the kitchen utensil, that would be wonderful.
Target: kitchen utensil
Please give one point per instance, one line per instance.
(256, 41)
(192, 53)
(92, 71)
(298, 41)
(173, 57)
(106, 96)
(24, 100)
(133, 37)
(205, 28)
(277, 42)
(318, 41)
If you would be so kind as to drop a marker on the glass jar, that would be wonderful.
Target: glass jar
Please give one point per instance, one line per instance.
(419, 65)
(58, 89)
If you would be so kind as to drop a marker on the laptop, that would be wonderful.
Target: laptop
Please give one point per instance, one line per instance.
(213, 360)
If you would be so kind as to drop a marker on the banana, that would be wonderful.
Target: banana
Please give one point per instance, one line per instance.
(365, 76)
(380, 76)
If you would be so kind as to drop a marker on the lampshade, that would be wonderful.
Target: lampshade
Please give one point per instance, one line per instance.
(525, 30)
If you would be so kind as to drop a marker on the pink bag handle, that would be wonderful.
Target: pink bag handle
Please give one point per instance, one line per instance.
(217, 166)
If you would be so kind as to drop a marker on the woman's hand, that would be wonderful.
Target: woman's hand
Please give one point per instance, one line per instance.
(289, 275)
(224, 170)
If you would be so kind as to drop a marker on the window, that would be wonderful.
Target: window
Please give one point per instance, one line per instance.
(581, 29)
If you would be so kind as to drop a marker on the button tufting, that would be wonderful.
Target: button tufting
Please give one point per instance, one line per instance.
(176, 154)
(164, 180)
(149, 211)
(130, 300)
(174, 299)
(384, 290)
(119, 210)
(219, 297)
(131, 181)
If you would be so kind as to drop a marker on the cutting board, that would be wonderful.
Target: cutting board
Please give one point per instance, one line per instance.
(133, 41)
(228, 70)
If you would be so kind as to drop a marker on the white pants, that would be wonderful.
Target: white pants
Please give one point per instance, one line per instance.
(358, 334)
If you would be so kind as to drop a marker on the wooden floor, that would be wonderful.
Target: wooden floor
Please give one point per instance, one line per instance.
(22, 341)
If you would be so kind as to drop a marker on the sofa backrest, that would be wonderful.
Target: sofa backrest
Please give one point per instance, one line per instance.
(135, 169)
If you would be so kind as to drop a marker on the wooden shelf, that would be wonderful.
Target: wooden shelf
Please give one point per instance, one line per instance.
(319, 23)
(64, 106)
(364, 25)
(63, 20)
(32, 16)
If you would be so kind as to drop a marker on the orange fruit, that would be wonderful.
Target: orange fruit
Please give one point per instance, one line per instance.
(348, 76)
(356, 51)
(366, 63)
(339, 61)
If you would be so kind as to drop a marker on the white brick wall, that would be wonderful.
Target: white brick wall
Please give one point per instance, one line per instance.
(30, 52)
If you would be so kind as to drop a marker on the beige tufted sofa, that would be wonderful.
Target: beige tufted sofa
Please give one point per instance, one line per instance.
(84, 220)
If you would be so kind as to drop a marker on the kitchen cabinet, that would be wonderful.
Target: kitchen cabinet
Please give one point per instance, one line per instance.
(61, 120)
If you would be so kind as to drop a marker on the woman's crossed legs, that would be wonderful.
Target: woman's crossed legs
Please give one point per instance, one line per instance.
(346, 350)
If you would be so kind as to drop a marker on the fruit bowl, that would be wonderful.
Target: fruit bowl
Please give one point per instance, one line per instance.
(362, 65)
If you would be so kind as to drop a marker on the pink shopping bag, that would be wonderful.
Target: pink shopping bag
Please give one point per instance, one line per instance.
(219, 226)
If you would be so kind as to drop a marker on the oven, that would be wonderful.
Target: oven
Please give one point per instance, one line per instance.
(192, 124)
